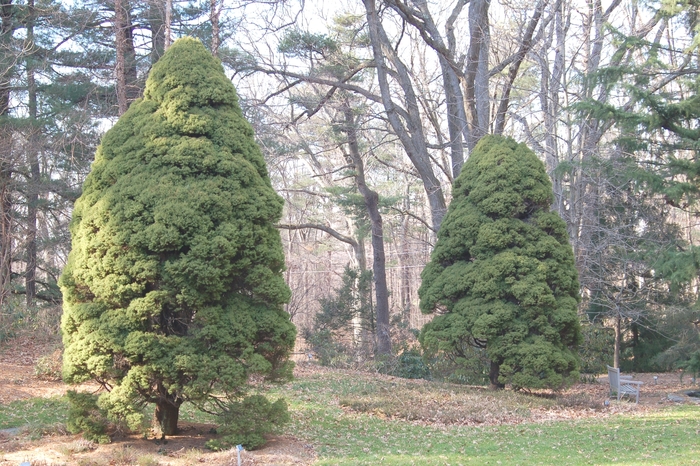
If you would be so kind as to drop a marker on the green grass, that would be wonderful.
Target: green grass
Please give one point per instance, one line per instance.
(35, 417)
(34, 412)
(345, 431)
(669, 437)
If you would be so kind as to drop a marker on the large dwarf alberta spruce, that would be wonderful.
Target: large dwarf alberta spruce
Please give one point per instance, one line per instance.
(173, 290)
(502, 274)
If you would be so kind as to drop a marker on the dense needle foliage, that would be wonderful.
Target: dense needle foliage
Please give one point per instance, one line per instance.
(502, 274)
(173, 289)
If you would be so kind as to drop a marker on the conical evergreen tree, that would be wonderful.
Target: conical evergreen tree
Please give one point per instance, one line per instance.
(502, 275)
(173, 289)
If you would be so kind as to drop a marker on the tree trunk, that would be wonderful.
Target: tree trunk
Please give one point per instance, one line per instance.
(494, 372)
(156, 19)
(6, 156)
(379, 259)
(5, 219)
(34, 169)
(168, 23)
(166, 416)
(125, 66)
(405, 122)
(214, 15)
(476, 73)
(618, 340)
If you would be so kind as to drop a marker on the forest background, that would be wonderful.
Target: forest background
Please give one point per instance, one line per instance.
(366, 111)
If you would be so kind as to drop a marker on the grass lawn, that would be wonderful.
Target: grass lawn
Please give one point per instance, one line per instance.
(354, 419)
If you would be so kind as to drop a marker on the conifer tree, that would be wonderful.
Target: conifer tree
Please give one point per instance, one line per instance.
(502, 275)
(173, 289)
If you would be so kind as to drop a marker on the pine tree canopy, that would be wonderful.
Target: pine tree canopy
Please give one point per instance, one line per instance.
(173, 290)
(502, 275)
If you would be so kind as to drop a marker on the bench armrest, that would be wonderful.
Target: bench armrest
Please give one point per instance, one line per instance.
(627, 382)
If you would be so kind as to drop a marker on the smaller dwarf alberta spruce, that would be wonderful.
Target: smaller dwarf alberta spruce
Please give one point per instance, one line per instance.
(502, 275)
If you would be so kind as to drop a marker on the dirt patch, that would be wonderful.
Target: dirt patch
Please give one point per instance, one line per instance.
(185, 449)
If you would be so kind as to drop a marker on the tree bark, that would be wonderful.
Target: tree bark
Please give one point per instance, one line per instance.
(618, 340)
(125, 66)
(168, 23)
(156, 19)
(494, 372)
(6, 156)
(423, 21)
(166, 416)
(475, 89)
(33, 183)
(371, 199)
(214, 16)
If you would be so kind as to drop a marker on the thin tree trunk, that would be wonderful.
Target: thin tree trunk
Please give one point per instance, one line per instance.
(214, 15)
(618, 340)
(5, 219)
(125, 66)
(379, 260)
(475, 89)
(405, 258)
(34, 170)
(157, 25)
(6, 156)
(168, 23)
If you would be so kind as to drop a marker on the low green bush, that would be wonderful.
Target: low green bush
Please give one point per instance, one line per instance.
(408, 364)
(84, 416)
(246, 422)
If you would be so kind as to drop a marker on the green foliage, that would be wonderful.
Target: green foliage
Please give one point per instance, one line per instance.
(408, 364)
(502, 275)
(173, 290)
(330, 335)
(468, 366)
(328, 349)
(692, 365)
(246, 422)
(596, 349)
(297, 43)
(84, 416)
(681, 328)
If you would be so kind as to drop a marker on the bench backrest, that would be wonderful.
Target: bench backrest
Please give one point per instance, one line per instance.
(614, 377)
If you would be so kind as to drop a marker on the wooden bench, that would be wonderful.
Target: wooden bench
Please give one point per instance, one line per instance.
(621, 385)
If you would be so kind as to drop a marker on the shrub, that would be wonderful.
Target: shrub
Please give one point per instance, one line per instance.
(84, 416)
(246, 422)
